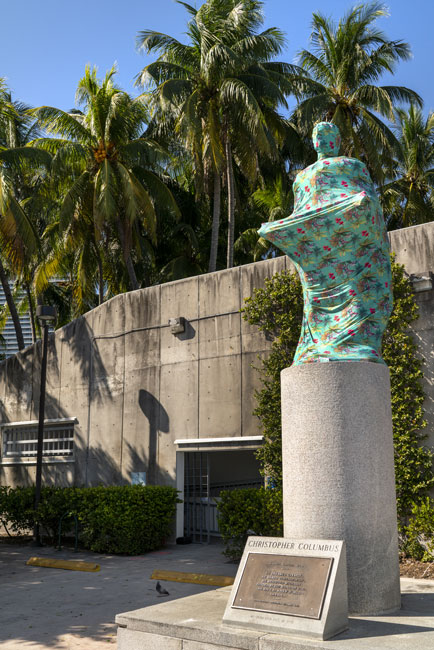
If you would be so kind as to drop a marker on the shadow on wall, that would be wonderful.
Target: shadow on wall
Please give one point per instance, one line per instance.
(83, 377)
(86, 357)
(158, 420)
(96, 465)
(22, 373)
(102, 470)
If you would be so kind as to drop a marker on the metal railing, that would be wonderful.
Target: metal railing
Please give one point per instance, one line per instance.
(20, 440)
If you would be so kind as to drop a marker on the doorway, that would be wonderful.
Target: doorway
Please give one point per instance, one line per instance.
(206, 474)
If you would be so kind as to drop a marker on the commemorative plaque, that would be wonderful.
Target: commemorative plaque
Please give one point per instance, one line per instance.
(291, 586)
(284, 584)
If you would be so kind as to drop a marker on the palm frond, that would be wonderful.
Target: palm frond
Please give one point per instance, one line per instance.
(57, 121)
(138, 203)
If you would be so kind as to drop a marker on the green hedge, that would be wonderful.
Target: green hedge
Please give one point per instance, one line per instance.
(130, 519)
(418, 538)
(246, 512)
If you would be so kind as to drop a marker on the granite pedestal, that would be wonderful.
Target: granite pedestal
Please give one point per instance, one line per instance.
(195, 623)
(338, 472)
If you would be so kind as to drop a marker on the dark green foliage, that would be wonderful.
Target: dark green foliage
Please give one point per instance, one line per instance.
(413, 462)
(128, 519)
(16, 508)
(276, 310)
(131, 520)
(419, 534)
(239, 511)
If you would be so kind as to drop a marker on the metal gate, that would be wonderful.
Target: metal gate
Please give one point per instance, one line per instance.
(201, 495)
(200, 510)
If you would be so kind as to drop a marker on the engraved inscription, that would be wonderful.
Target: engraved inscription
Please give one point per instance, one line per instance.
(284, 584)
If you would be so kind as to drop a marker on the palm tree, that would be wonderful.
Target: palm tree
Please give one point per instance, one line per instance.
(106, 153)
(345, 65)
(22, 169)
(221, 93)
(409, 198)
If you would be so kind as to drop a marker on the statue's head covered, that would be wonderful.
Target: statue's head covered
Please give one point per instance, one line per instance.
(326, 140)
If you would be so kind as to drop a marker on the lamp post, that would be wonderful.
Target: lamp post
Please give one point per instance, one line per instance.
(46, 315)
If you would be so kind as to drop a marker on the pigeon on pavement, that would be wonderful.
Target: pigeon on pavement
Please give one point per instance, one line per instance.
(161, 590)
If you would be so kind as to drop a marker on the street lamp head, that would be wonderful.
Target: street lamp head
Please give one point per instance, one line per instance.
(46, 313)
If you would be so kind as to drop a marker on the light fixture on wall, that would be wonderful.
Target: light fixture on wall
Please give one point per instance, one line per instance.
(177, 325)
(423, 282)
(46, 315)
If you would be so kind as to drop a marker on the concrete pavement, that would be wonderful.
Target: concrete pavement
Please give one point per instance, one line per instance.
(43, 608)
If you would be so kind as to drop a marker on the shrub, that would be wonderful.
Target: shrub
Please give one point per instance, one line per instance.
(413, 461)
(277, 310)
(129, 519)
(419, 534)
(16, 508)
(248, 512)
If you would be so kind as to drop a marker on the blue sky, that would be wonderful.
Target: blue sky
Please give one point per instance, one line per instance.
(45, 45)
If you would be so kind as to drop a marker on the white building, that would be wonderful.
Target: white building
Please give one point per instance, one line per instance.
(11, 346)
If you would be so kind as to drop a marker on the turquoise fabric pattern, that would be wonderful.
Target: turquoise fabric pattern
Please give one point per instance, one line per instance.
(337, 239)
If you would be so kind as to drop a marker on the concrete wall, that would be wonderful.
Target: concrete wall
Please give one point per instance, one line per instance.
(135, 387)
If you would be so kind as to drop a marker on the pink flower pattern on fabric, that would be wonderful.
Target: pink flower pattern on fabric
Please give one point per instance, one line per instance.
(339, 245)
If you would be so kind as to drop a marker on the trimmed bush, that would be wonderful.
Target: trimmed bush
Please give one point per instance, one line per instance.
(419, 534)
(130, 519)
(254, 511)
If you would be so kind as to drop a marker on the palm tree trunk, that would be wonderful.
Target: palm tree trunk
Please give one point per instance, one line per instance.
(100, 277)
(132, 274)
(404, 212)
(12, 308)
(127, 256)
(31, 312)
(215, 222)
(231, 203)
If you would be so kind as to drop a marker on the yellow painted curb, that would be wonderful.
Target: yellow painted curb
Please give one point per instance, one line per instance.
(194, 578)
(72, 565)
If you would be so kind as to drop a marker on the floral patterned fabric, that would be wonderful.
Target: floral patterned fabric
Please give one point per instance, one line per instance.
(337, 239)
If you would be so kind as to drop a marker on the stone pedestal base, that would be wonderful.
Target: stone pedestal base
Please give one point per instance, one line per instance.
(338, 472)
(195, 623)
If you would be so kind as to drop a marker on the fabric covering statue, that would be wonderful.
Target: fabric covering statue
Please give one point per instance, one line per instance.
(337, 239)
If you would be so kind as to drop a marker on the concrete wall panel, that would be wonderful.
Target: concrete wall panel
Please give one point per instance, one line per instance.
(142, 349)
(220, 397)
(106, 409)
(176, 348)
(180, 298)
(109, 318)
(123, 374)
(414, 247)
(75, 403)
(220, 336)
(75, 356)
(179, 413)
(141, 422)
(253, 276)
(250, 383)
(142, 308)
(179, 385)
(219, 293)
(18, 386)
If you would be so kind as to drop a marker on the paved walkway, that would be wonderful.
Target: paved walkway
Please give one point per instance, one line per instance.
(72, 610)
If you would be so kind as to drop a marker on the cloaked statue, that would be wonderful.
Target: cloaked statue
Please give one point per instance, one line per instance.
(337, 239)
